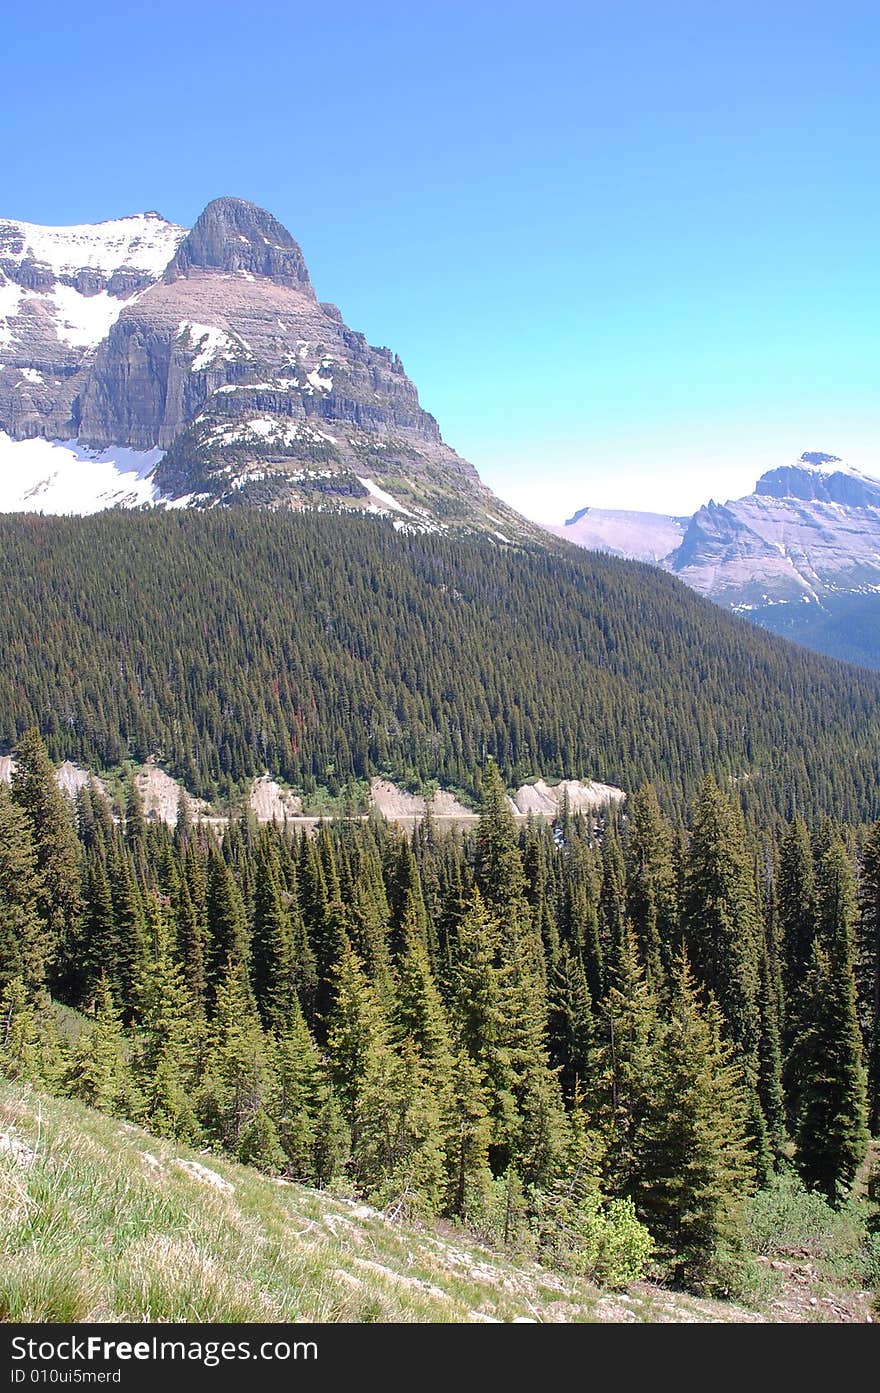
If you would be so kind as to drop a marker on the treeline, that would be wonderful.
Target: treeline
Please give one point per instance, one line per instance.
(332, 648)
(605, 1039)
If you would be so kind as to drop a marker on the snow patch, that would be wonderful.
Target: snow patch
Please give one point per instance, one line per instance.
(143, 242)
(319, 383)
(383, 497)
(63, 476)
(82, 321)
(211, 342)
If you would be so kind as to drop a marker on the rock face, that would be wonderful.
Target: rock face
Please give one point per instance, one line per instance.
(799, 556)
(61, 289)
(214, 349)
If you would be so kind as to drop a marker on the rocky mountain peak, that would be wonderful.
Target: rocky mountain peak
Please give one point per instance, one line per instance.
(820, 478)
(234, 236)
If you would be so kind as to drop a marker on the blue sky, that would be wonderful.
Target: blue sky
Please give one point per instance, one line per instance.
(627, 251)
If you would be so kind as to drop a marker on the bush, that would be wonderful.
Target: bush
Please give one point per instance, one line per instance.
(591, 1236)
(786, 1218)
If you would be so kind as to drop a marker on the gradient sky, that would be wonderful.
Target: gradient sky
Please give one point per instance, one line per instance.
(627, 251)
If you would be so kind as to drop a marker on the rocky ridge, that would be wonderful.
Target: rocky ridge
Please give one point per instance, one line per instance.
(799, 556)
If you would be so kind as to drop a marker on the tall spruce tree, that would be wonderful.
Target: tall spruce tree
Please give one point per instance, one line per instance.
(55, 844)
(868, 970)
(652, 902)
(830, 1126)
(722, 933)
(25, 937)
(797, 918)
(695, 1170)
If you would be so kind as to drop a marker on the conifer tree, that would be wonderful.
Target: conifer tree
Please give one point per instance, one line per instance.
(98, 1072)
(55, 846)
(797, 917)
(652, 902)
(469, 1177)
(498, 868)
(29, 1044)
(310, 1125)
(272, 966)
(830, 1125)
(190, 937)
(695, 1169)
(479, 1004)
(239, 1081)
(612, 903)
(770, 1087)
(228, 939)
(570, 1021)
(25, 937)
(392, 1113)
(868, 971)
(167, 1043)
(624, 1069)
(126, 951)
(722, 934)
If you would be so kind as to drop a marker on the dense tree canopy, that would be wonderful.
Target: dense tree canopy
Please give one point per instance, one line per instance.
(328, 648)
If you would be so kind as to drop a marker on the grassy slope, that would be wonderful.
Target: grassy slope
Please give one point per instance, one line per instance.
(100, 1221)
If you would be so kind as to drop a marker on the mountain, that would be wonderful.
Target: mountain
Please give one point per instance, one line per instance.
(329, 649)
(799, 556)
(140, 362)
(639, 536)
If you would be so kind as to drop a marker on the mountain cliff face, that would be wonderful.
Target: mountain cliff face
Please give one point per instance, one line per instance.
(205, 361)
(799, 556)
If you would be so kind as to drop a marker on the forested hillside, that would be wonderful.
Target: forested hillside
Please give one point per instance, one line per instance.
(325, 648)
(599, 1044)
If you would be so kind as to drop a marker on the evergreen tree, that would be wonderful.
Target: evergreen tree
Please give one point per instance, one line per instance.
(868, 971)
(25, 937)
(469, 1184)
(624, 1070)
(98, 1072)
(830, 1128)
(770, 1087)
(695, 1168)
(652, 902)
(722, 934)
(570, 1023)
(164, 1061)
(55, 846)
(498, 869)
(392, 1113)
(612, 904)
(797, 918)
(238, 1083)
(272, 948)
(311, 1129)
(29, 1043)
(126, 952)
(228, 939)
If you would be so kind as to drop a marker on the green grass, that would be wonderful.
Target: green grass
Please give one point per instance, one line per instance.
(99, 1221)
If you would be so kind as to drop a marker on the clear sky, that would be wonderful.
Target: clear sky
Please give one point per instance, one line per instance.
(627, 251)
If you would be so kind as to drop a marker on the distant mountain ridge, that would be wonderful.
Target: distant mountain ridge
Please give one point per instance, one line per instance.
(799, 556)
(142, 362)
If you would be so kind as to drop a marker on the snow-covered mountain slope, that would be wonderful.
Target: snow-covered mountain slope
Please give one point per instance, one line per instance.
(52, 476)
(800, 555)
(209, 351)
(61, 290)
